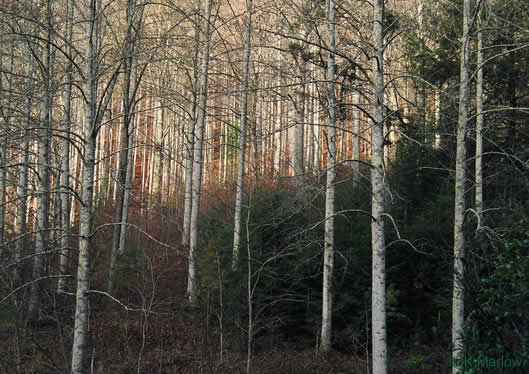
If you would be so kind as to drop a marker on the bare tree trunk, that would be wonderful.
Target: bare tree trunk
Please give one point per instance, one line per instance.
(80, 340)
(190, 143)
(356, 134)
(128, 184)
(299, 159)
(197, 158)
(479, 120)
(6, 114)
(277, 131)
(22, 189)
(130, 86)
(93, 118)
(458, 297)
(328, 254)
(65, 157)
(378, 297)
(242, 141)
(43, 192)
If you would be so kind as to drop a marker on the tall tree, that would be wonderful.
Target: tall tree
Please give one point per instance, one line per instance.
(22, 180)
(94, 109)
(190, 136)
(65, 154)
(479, 116)
(43, 192)
(356, 133)
(6, 113)
(198, 156)
(328, 254)
(134, 19)
(378, 246)
(458, 296)
(242, 139)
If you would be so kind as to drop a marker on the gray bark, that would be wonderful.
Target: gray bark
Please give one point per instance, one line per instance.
(242, 142)
(130, 86)
(299, 135)
(378, 297)
(479, 121)
(5, 112)
(356, 135)
(190, 143)
(22, 190)
(93, 118)
(80, 340)
(43, 189)
(328, 254)
(458, 297)
(197, 159)
(65, 158)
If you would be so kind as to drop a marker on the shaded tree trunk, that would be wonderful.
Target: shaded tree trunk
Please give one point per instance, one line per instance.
(479, 120)
(130, 86)
(65, 158)
(93, 118)
(43, 192)
(458, 297)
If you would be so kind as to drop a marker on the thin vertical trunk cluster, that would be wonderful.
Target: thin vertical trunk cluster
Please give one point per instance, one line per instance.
(242, 141)
(328, 252)
(458, 297)
(129, 91)
(65, 157)
(190, 139)
(22, 188)
(6, 115)
(197, 158)
(43, 191)
(378, 246)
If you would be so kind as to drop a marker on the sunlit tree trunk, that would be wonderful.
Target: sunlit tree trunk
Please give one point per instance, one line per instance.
(328, 254)
(242, 141)
(197, 158)
(458, 297)
(190, 140)
(378, 297)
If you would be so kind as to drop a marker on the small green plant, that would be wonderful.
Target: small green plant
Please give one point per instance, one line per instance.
(418, 364)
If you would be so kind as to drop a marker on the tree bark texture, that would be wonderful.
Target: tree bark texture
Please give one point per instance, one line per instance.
(242, 142)
(328, 252)
(378, 297)
(458, 296)
(197, 159)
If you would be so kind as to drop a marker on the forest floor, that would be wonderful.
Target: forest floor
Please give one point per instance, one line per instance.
(154, 330)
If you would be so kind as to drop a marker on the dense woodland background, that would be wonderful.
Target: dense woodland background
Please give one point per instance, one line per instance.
(263, 186)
